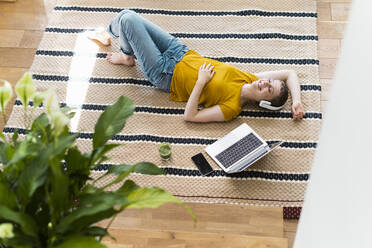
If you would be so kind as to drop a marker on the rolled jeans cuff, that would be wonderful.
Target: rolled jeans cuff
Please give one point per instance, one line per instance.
(109, 31)
(127, 53)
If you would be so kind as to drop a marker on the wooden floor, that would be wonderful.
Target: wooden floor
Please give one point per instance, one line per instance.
(21, 28)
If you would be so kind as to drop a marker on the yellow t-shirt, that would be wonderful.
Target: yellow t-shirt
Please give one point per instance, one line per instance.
(223, 90)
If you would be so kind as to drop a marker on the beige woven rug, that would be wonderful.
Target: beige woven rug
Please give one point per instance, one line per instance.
(253, 35)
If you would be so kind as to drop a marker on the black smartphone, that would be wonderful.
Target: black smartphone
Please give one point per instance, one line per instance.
(202, 164)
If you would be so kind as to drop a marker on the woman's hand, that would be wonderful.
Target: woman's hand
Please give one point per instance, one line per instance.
(205, 74)
(297, 110)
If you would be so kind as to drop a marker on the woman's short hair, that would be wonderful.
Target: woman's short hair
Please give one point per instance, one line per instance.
(282, 97)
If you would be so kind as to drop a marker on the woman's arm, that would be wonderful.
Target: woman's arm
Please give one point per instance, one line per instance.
(291, 79)
(192, 113)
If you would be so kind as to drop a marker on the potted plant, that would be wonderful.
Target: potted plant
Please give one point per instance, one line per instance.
(47, 196)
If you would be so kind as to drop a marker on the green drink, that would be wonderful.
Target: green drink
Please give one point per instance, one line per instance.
(165, 151)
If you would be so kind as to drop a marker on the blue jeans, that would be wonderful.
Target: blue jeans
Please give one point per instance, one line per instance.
(157, 51)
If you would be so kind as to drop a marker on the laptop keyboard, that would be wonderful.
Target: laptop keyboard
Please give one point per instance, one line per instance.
(238, 150)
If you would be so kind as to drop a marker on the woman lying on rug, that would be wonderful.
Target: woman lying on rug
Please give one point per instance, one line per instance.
(169, 65)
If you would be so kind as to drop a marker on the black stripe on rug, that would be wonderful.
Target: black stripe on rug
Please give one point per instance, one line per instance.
(59, 78)
(220, 173)
(178, 111)
(206, 35)
(130, 81)
(173, 140)
(249, 12)
(221, 59)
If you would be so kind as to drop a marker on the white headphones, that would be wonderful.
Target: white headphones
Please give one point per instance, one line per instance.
(267, 105)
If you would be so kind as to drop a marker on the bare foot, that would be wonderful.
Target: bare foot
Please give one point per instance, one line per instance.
(101, 36)
(120, 59)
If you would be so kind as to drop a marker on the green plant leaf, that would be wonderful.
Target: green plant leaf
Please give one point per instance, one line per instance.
(26, 222)
(33, 176)
(117, 169)
(85, 222)
(148, 169)
(20, 240)
(79, 241)
(102, 150)
(6, 94)
(150, 198)
(2, 136)
(51, 101)
(70, 115)
(24, 149)
(125, 171)
(90, 189)
(15, 137)
(91, 208)
(77, 169)
(96, 231)
(76, 162)
(25, 88)
(63, 143)
(101, 199)
(112, 121)
(58, 197)
(38, 98)
(59, 121)
(4, 159)
(127, 188)
(153, 198)
(40, 124)
(7, 197)
(39, 209)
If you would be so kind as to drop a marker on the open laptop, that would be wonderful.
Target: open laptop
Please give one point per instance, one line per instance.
(239, 149)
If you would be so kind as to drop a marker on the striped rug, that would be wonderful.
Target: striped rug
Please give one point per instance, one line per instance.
(253, 35)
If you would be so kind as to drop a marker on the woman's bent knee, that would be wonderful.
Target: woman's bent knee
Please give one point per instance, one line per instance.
(125, 12)
(129, 18)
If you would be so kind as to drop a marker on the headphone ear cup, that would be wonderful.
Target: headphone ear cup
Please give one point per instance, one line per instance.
(267, 105)
(264, 104)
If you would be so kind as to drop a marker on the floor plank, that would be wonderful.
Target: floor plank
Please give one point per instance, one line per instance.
(31, 39)
(12, 74)
(331, 30)
(23, 21)
(323, 107)
(155, 238)
(10, 38)
(328, 48)
(340, 11)
(324, 12)
(326, 88)
(217, 218)
(291, 238)
(290, 225)
(17, 57)
(327, 67)
(24, 6)
(290, 229)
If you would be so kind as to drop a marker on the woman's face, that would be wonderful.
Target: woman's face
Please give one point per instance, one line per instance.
(266, 89)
